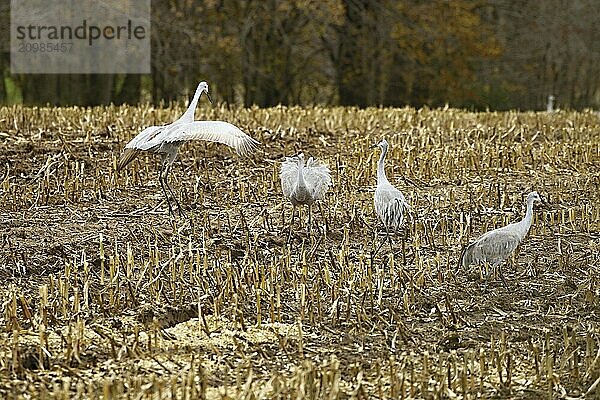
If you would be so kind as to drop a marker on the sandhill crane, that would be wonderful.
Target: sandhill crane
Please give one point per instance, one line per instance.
(304, 183)
(496, 246)
(390, 204)
(166, 140)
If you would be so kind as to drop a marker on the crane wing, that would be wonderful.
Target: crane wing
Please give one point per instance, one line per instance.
(402, 200)
(142, 141)
(492, 247)
(317, 177)
(500, 242)
(213, 131)
(390, 206)
(289, 175)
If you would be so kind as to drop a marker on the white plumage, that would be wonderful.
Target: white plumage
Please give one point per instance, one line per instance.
(496, 246)
(211, 131)
(390, 204)
(166, 140)
(304, 183)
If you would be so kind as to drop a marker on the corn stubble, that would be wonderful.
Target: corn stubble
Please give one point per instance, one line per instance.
(108, 297)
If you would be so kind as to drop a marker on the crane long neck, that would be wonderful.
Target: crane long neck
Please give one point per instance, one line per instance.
(188, 115)
(380, 165)
(526, 222)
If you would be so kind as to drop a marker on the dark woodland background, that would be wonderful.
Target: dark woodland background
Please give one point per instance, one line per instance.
(495, 54)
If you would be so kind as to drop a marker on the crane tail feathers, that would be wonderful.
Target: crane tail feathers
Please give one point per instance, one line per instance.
(128, 156)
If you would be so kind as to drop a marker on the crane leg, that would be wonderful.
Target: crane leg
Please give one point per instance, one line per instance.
(386, 239)
(179, 209)
(291, 224)
(324, 218)
(389, 239)
(378, 247)
(162, 185)
(404, 233)
(501, 274)
(309, 220)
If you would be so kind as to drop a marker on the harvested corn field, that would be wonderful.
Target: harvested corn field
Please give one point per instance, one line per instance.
(106, 295)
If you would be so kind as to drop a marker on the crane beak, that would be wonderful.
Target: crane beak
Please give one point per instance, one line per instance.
(374, 146)
(209, 98)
